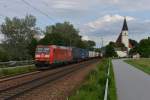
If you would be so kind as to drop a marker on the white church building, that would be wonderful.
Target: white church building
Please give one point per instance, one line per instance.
(123, 39)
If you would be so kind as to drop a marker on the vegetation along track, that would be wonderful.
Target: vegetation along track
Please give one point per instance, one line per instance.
(7, 93)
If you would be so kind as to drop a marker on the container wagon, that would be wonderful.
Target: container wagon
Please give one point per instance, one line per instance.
(91, 54)
(79, 54)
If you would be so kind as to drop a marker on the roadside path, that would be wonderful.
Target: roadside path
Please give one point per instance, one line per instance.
(131, 83)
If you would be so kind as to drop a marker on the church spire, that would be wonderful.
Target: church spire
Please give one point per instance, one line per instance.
(125, 27)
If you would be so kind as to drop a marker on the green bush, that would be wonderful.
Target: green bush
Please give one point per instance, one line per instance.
(94, 86)
(3, 56)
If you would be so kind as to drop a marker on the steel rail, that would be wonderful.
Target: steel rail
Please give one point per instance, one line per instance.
(12, 92)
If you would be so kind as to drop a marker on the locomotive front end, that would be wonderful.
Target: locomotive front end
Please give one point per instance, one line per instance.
(42, 56)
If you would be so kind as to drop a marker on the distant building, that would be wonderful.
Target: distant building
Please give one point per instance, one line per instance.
(136, 56)
(123, 39)
(1, 37)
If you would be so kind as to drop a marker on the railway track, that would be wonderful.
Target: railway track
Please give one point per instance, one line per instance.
(8, 93)
(6, 78)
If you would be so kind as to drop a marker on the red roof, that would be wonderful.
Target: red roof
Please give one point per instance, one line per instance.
(130, 45)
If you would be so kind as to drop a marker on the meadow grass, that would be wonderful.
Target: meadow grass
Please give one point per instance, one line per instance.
(16, 70)
(142, 64)
(94, 86)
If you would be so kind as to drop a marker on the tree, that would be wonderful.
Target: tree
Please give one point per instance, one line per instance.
(3, 55)
(66, 35)
(61, 34)
(133, 43)
(135, 47)
(97, 49)
(117, 45)
(110, 51)
(112, 44)
(134, 50)
(90, 44)
(144, 47)
(55, 39)
(18, 35)
(32, 47)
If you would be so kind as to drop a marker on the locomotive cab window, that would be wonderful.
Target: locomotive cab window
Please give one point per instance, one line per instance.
(43, 50)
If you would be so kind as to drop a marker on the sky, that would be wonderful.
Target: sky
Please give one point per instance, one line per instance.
(97, 20)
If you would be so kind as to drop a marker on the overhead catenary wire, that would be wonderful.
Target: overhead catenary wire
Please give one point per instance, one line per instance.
(37, 9)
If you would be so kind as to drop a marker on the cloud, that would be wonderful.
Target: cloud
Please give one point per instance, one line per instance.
(69, 9)
(134, 5)
(78, 4)
(94, 18)
(109, 27)
(85, 38)
(107, 20)
(66, 4)
(106, 25)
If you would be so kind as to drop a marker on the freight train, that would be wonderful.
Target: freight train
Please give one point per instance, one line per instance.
(53, 55)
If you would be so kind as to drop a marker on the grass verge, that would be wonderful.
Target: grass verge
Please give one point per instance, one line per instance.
(112, 95)
(7, 72)
(142, 64)
(94, 86)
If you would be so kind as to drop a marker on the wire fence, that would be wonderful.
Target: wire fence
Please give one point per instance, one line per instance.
(16, 63)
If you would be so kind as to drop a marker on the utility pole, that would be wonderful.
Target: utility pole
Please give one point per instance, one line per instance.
(102, 46)
(101, 42)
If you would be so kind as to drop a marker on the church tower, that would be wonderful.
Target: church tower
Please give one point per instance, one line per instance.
(123, 39)
(124, 34)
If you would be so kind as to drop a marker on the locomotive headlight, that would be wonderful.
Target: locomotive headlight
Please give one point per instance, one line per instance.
(37, 56)
(46, 56)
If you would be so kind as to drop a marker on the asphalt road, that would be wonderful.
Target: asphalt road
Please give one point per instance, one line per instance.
(131, 83)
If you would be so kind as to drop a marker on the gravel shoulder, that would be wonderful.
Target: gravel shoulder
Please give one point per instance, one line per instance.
(60, 89)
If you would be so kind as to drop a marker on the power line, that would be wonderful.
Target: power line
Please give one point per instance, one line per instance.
(37, 9)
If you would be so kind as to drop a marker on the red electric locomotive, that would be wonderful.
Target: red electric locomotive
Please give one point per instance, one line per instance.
(50, 55)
